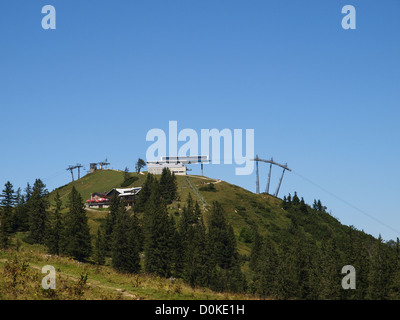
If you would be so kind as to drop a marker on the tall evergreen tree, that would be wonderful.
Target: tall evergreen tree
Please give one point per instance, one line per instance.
(54, 227)
(20, 216)
(197, 266)
(100, 247)
(76, 236)
(6, 218)
(255, 253)
(28, 192)
(125, 242)
(158, 235)
(380, 272)
(38, 205)
(394, 288)
(330, 277)
(145, 193)
(222, 238)
(168, 186)
(264, 282)
(110, 221)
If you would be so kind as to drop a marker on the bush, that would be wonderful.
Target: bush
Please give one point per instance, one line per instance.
(129, 181)
(208, 187)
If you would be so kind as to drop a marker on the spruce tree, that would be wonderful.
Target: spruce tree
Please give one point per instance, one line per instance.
(223, 253)
(168, 186)
(330, 276)
(380, 272)
(394, 288)
(158, 235)
(145, 193)
(54, 228)
(110, 220)
(100, 247)
(38, 205)
(222, 238)
(125, 242)
(6, 218)
(20, 217)
(196, 269)
(255, 253)
(76, 235)
(264, 282)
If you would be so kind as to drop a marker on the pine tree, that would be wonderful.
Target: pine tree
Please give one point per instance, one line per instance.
(110, 220)
(20, 216)
(145, 193)
(380, 272)
(224, 259)
(38, 205)
(100, 248)
(330, 276)
(168, 186)
(28, 192)
(139, 165)
(76, 236)
(21, 211)
(54, 228)
(6, 218)
(125, 242)
(222, 238)
(394, 288)
(158, 236)
(255, 253)
(296, 200)
(264, 282)
(196, 269)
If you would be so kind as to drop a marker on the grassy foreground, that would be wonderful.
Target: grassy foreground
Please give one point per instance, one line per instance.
(21, 278)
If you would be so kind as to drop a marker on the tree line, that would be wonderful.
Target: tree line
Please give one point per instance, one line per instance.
(145, 239)
(305, 261)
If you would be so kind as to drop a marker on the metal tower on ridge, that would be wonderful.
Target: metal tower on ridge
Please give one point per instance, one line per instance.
(79, 166)
(71, 168)
(271, 162)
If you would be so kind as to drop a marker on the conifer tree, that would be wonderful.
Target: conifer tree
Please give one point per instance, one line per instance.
(223, 253)
(222, 238)
(76, 236)
(110, 220)
(28, 192)
(125, 242)
(394, 288)
(264, 282)
(38, 205)
(197, 266)
(100, 248)
(380, 272)
(20, 216)
(6, 218)
(330, 277)
(54, 228)
(145, 193)
(158, 235)
(168, 186)
(255, 251)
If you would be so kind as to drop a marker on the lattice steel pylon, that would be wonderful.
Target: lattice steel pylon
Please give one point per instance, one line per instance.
(271, 162)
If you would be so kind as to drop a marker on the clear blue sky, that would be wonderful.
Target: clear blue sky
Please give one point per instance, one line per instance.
(323, 99)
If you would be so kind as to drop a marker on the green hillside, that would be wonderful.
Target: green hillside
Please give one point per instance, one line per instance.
(301, 245)
(245, 210)
(98, 181)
